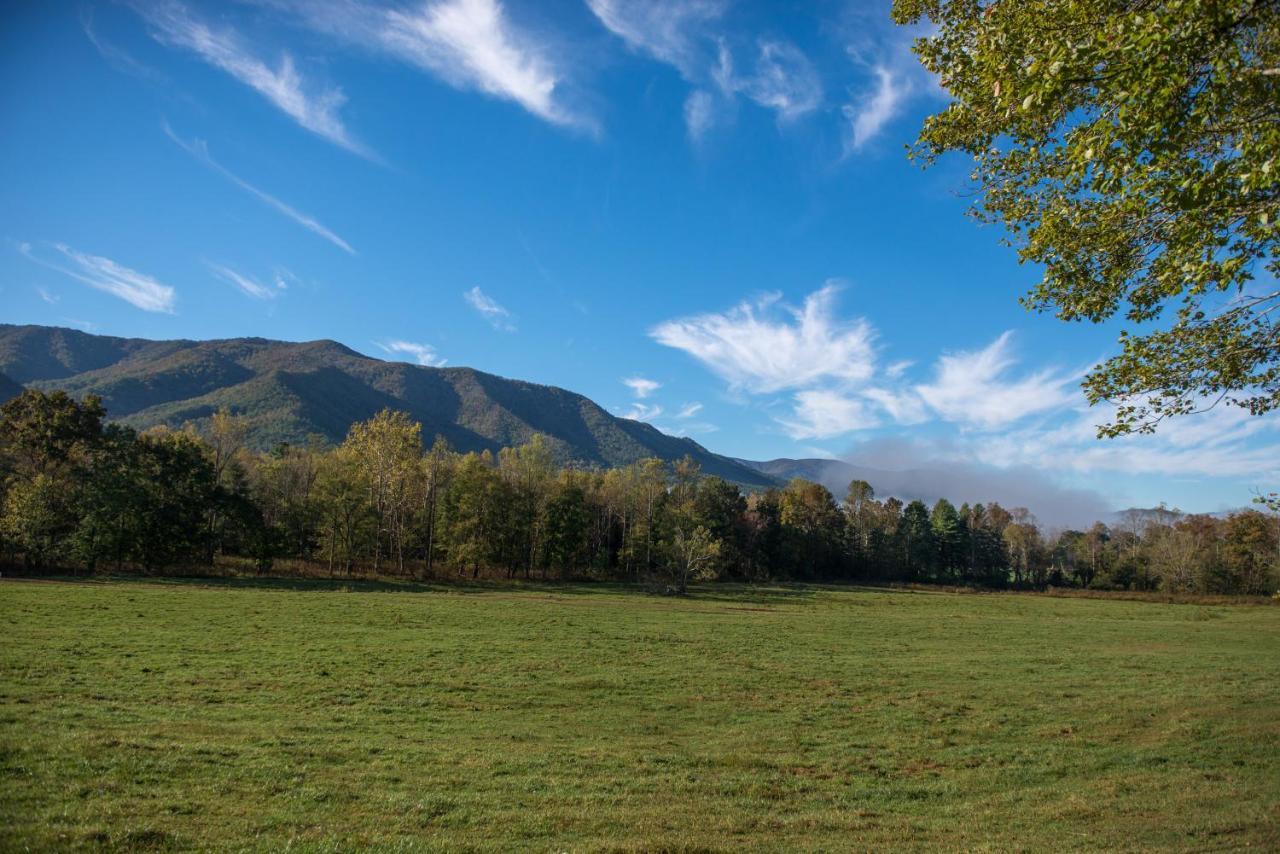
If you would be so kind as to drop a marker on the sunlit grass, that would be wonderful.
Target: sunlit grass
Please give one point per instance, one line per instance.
(581, 717)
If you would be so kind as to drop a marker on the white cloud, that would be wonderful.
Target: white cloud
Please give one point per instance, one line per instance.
(767, 346)
(904, 407)
(312, 108)
(689, 428)
(641, 412)
(200, 151)
(247, 285)
(699, 113)
(822, 414)
(470, 44)
(972, 388)
(876, 109)
(897, 369)
(423, 354)
(137, 289)
(51, 299)
(681, 33)
(689, 410)
(641, 387)
(1223, 442)
(282, 277)
(489, 309)
(667, 31)
(784, 81)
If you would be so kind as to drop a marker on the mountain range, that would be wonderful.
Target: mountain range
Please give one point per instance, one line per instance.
(290, 391)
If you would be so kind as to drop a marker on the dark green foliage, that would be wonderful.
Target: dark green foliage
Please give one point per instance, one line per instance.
(80, 495)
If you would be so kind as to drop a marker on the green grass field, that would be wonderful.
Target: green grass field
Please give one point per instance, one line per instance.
(177, 715)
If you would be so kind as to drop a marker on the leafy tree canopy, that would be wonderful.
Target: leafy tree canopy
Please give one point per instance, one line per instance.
(1132, 149)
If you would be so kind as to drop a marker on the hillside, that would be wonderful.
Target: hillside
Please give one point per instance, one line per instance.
(289, 391)
(8, 388)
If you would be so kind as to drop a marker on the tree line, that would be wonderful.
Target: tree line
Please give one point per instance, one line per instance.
(81, 493)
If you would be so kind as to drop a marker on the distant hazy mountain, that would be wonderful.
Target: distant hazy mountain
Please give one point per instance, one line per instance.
(289, 391)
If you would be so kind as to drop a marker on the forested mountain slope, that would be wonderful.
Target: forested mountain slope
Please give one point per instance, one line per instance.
(290, 391)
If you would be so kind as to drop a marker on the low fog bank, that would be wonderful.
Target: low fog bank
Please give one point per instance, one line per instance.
(910, 472)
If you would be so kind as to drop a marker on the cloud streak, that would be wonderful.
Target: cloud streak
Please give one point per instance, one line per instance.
(311, 107)
(783, 80)
(472, 45)
(499, 318)
(868, 117)
(245, 284)
(974, 388)
(766, 346)
(686, 34)
(822, 414)
(422, 354)
(666, 31)
(200, 151)
(689, 410)
(641, 387)
(137, 289)
(641, 412)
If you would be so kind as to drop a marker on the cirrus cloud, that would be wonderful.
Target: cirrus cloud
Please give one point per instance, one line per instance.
(974, 387)
(499, 318)
(137, 289)
(767, 346)
(312, 107)
(422, 354)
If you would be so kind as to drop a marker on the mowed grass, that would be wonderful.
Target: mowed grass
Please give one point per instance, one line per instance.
(178, 715)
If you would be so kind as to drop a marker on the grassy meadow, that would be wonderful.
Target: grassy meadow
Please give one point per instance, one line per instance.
(270, 715)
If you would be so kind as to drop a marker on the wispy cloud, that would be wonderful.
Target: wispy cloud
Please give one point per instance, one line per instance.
(641, 412)
(282, 277)
(490, 310)
(689, 410)
(666, 31)
(423, 354)
(783, 80)
(246, 284)
(870, 113)
(312, 107)
(137, 289)
(117, 57)
(688, 36)
(823, 413)
(51, 299)
(830, 365)
(974, 388)
(891, 76)
(766, 346)
(471, 44)
(903, 406)
(200, 151)
(641, 387)
(688, 428)
(699, 113)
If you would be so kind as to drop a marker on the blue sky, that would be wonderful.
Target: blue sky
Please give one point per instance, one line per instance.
(698, 213)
